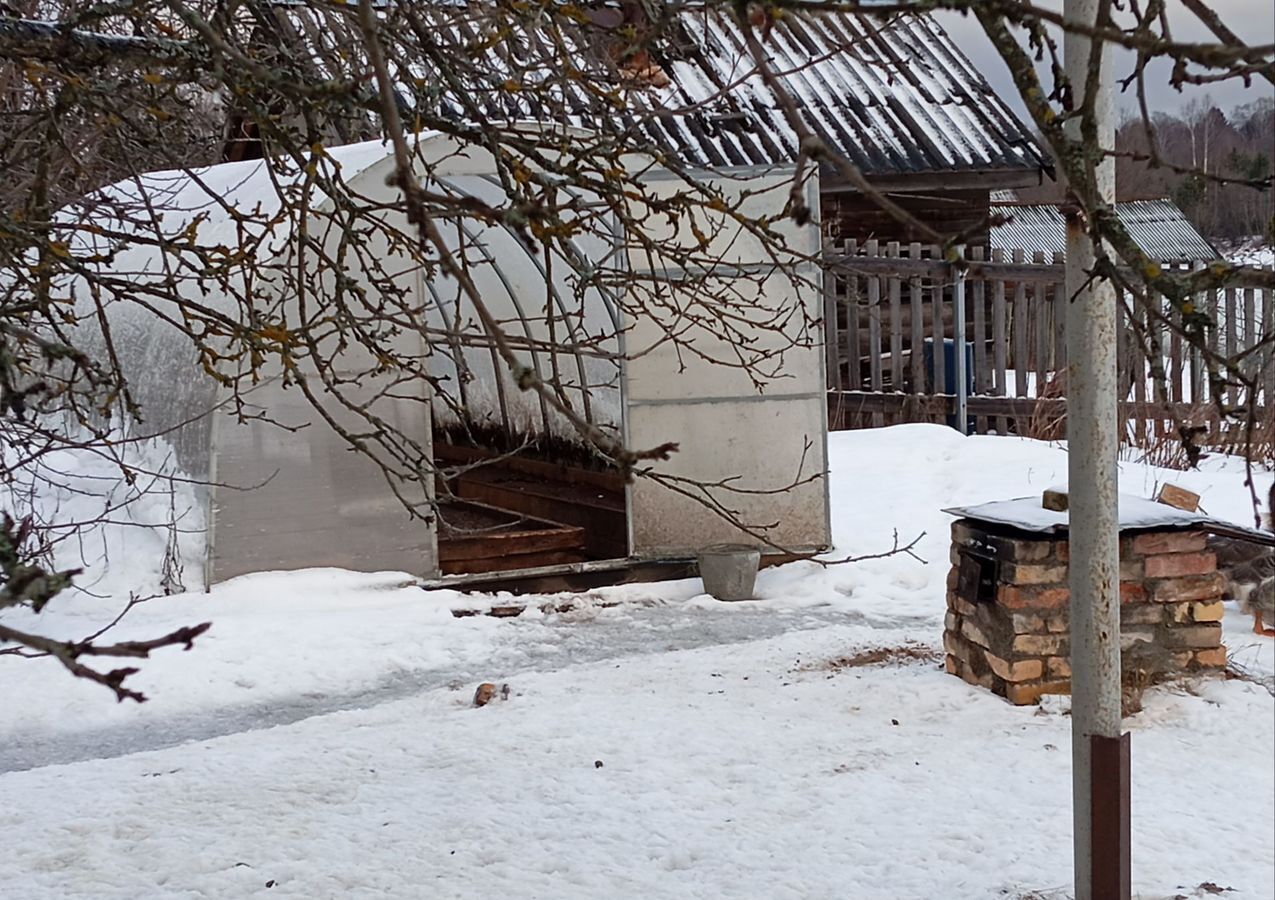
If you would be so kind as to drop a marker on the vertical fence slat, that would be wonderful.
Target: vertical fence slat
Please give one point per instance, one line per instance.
(1041, 336)
(1156, 363)
(854, 378)
(1195, 358)
(1021, 317)
(939, 332)
(1249, 338)
(1124, 362)
(874, 333)
(868, 313)
(1268, 356)
(1211, 337)
(1177, 367)
(1232, 340)
(1139, 370)
(831, 329)
(982, 371)
(1000, 345)
(916, 300)
(1058, 306)
(896, 324)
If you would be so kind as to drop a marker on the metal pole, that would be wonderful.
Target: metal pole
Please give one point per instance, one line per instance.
(1100, 755)
(962, 394)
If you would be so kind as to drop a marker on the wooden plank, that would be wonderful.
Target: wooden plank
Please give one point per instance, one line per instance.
(1123, 374)
(831, 329)
(1021, 318)
(1056, 500)
(1250, 339)
(1268, 356)
(936, 406)
(605, 527)
(1058, 308)
(896, 324)
(1177, 365)
(1178, 497)
(1000, 345)
(1138, 369)
(1194, 359)
(941, 269)
(508, 560)
(1040, 316)
(1232, 340)
(874, 331)
(938, 332)
(1211, 337)
(612, 482)
(1155, 362)
(854, 374)
(977, 291)
(906, 407)
(916, 299)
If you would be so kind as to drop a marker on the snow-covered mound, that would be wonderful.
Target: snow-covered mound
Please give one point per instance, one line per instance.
(279, 635)
(807, 744)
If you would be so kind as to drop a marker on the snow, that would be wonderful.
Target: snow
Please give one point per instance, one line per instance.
(339, 756)
(1134, 512)
(1253, 252)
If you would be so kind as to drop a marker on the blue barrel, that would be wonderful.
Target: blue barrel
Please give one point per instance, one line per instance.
(949, 372)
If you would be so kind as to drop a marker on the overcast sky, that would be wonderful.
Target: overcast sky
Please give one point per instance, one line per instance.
(1253, 20)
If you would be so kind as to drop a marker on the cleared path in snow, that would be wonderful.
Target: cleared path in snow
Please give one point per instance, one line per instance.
(553, 643)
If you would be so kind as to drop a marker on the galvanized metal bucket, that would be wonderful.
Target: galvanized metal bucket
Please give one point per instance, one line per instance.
(729, 571)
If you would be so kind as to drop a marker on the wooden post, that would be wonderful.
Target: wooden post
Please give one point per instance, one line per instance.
(1000, 338)
(916, 301)
(979, 290)
(831, 330)
(874, 333)
(896, 325)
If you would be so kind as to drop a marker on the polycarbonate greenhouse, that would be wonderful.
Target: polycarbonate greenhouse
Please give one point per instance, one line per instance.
(515, 485)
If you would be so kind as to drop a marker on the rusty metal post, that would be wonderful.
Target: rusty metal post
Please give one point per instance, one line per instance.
(1100, 825)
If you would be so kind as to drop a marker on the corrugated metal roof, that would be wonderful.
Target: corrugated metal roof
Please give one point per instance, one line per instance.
(1134, 514)
(893, 94)
(1159, 227)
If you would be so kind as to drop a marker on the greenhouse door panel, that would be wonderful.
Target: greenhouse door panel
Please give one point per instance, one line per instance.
(752, 432)
(311, 502)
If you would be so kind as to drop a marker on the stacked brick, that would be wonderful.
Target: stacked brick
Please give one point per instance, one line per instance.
(1007, 619)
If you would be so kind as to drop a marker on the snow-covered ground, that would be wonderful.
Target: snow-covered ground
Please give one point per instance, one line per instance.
(318, 741)
(1253, 252)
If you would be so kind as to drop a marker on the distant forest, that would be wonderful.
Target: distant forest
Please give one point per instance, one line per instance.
(1204, 139)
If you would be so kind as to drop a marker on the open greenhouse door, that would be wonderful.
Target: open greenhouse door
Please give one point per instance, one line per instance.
(740, 388)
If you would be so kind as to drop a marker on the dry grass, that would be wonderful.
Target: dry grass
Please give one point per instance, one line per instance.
(1160, 443)
(910, 652)
(1236, 671)
(1049, 421)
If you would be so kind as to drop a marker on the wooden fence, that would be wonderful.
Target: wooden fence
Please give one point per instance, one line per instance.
(887, 306)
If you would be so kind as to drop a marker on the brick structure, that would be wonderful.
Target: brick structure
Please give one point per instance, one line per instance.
(1007, 623)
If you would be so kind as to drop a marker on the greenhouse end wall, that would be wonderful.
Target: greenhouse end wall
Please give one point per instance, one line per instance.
(752, 440)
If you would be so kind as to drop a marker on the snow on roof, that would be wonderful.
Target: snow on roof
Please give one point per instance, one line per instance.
(1158, 227)
(231, 204)
(1135, 513)
(250, 187)
(893, 94)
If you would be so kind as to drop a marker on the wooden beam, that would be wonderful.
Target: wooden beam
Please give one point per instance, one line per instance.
(987, 179)
(1014, 407)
